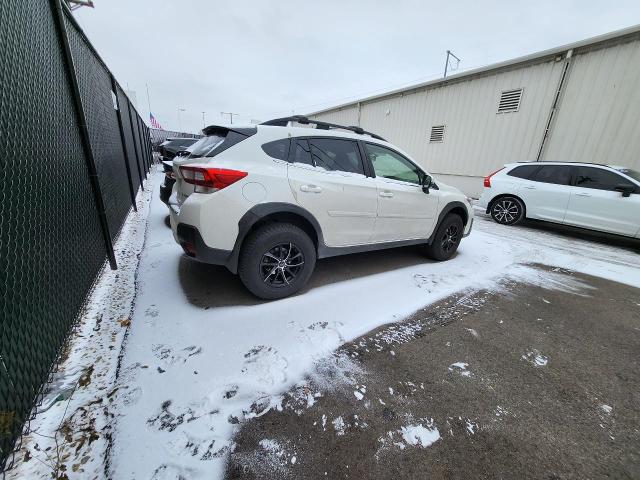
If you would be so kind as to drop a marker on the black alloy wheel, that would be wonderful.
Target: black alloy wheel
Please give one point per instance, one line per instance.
(451, 238)
(276, 260)
(281, 265)
(507, 211)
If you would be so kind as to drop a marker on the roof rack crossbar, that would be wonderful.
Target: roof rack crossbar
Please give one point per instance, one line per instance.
(283, 122)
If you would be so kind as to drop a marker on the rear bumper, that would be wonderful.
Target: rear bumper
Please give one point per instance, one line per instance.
(193, 245)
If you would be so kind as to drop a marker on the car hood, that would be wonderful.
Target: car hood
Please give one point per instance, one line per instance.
(447, 188)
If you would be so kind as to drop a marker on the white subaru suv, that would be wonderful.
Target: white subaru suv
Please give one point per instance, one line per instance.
(597, 197)
(267, 201)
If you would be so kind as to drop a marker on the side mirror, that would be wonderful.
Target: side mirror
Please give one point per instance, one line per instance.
(427, 183)
(626, 189)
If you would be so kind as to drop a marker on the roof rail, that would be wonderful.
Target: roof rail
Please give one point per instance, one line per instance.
(284, 121)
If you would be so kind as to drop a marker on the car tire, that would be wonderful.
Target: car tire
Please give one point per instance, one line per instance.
(507, 210)
(276, 261)
(447, 238)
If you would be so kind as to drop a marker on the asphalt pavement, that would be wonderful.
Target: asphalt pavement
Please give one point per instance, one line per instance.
(529, 381)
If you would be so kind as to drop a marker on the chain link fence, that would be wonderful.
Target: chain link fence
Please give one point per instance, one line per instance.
(74, 154)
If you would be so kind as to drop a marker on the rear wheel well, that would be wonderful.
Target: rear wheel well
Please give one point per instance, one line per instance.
(498, 197)
(286, 217)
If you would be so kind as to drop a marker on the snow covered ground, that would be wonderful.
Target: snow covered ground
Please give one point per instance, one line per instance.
(193, 368)
(193, 372)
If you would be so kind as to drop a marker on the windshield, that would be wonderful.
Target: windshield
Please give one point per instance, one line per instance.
(630, 173)
(205, 146)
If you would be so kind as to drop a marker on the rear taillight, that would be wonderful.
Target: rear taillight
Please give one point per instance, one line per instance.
(209, 179)
(487, 179)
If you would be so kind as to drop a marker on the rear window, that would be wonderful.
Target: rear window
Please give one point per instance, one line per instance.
(334, 154)
(556, 174)
(206, 145)
(301, 153)
(278, 149)
(524, 171)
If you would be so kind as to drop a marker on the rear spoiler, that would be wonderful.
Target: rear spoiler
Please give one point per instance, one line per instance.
(224, 130)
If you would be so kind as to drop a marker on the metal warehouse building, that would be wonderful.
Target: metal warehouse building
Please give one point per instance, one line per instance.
(578, 102)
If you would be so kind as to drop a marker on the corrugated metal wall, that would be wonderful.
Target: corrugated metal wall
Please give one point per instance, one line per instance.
(347, 116)
(598, 119)
(599, 115)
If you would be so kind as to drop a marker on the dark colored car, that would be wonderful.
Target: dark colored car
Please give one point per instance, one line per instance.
(171, 146)
(168, 150)
(167, 186)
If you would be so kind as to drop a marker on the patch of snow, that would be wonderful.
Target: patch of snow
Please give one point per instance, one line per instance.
(419, 435)
(536, 358)
(473, 332)
(358, 395)
(471, 427)
(461, 368)
(606, 409)
(500, 411)
(338, 425)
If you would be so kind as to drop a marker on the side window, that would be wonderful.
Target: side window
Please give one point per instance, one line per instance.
(278, 149)
(598, 178)
(525, 171)
(336, 155)
(301, 153)
(556, 174)
(389, 164)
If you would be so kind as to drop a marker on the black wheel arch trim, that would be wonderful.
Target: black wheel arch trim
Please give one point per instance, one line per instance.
(261, 211)
(446, 211)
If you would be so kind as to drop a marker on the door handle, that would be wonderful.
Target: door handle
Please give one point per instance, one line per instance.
(310, 189)
(529, 188)
(583, 194)
(386, 194)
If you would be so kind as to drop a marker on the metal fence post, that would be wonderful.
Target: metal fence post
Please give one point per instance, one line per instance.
(84, 131)
(135, 148)
(141, 137)
(124, 144)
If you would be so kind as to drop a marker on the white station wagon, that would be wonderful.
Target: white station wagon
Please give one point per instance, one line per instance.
(598, 197)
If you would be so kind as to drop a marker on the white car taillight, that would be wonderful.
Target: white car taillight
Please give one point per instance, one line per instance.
(487, 179)
(209, 179)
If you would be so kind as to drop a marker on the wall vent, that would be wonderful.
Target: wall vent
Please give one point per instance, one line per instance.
(510, 101)
(437, 134)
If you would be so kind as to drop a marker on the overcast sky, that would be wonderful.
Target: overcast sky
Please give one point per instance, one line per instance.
(267, 58)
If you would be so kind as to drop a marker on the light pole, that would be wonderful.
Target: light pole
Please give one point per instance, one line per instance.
(180, 109)
(203, 122)
(230, 116)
